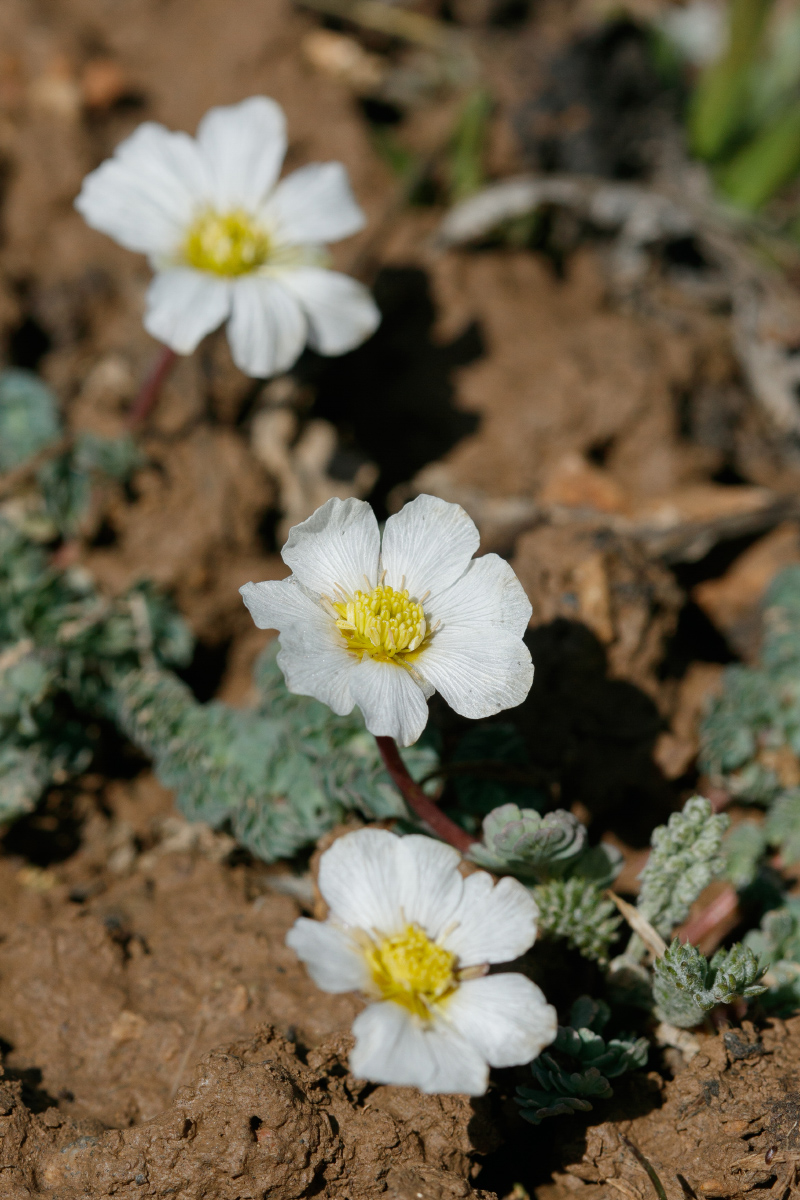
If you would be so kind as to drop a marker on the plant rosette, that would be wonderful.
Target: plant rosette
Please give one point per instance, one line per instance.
(228, 242)
(416, 938)
(383, 623)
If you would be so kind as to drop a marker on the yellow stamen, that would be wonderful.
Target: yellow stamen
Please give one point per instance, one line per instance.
(413, 971)
(226, 243)
(384, 623)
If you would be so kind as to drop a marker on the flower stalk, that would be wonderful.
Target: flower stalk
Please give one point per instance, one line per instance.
(420, 804)
(151, 387)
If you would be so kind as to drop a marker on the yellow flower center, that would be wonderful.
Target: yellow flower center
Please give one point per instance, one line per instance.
(411, 970)
(384, 623)
(226, 243)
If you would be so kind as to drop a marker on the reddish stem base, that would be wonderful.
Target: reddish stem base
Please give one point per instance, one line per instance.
(428, 812)
(708, 929)
(149, 391)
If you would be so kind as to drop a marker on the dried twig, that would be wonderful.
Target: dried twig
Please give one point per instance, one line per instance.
(394, 22)
(651, 937)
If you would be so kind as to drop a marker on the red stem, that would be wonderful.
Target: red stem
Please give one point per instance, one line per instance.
(428, 812)
(149, 391)
(717, 920)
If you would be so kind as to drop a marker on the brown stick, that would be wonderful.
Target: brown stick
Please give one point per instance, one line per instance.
(150, 389)
(428, 812)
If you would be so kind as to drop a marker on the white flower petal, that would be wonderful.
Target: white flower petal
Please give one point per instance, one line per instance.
(478, 676)
(313, 656)
(392, 703)
(282, 604)
(338, 544)
(430, 882)
(494, 923)
(477, 659)
(332, 958)
(392, 1047)
(144, 196)
(430, 542)
(341, 312)
(184, 305)
(267, 329)
(243, 145)
(488, 593)
(315, 204)
(359, 880)
(323, 670)
(505, 1017)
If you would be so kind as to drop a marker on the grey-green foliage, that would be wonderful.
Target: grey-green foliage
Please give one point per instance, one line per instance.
(754, 724)
(743, 846)
(30, 423)
(686, 985)
(28, 417)
(782, 826)
(686, 855)
(282, 773)
(60, 645)
(574, 910)
(779, 934)
(777, 942)
(521, 842)
(567, 1087)
(66, 482)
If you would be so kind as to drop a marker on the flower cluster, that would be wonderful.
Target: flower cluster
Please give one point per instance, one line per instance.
(383, 623)
(230, 243)
(415, 937)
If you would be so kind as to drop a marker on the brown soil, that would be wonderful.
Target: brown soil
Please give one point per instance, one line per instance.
(146, 954)
(255, 1120)
(726, 1126)
(158, 1037)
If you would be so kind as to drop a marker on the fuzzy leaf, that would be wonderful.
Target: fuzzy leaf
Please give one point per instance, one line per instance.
(28, 417)
(685, 985)
(685, 857)
(521, 842)
(575, 910)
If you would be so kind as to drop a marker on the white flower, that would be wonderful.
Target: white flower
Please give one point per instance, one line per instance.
(409, 932)
(227, 243)
(384, 624)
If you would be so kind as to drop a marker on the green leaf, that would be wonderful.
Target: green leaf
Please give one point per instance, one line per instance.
(685, 856)
(521, 842)
(29, 418)
(720, 101)
(465, 162)
(743, 847)
(574, 910)
(685, 985)
(765, 164)
(782, 826)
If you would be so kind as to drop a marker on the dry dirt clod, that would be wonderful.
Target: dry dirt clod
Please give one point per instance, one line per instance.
(254, 1121)
(733, 601)
(728, 1125)
(584, 572)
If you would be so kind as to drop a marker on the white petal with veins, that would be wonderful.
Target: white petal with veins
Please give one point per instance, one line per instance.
(227, 240)
(184, 305)
(402, 905)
